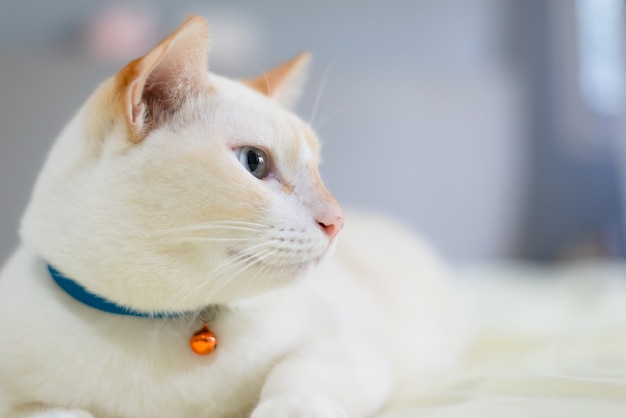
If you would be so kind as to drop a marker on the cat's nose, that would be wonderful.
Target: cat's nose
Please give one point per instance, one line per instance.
(331, 222)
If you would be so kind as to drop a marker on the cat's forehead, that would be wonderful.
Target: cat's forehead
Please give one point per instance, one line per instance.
(246, 118)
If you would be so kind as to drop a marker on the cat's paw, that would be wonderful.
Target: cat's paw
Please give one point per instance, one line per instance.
(299, 406)
(65, 413)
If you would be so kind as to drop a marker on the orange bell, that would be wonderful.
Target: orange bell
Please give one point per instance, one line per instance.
(203, 342)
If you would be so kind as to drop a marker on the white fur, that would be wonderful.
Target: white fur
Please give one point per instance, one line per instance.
(174, 223)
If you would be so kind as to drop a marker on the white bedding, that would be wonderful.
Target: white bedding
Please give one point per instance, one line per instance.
(549, 342)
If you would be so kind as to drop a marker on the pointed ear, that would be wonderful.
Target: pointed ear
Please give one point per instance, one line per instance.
(160, 80)
(283, 83)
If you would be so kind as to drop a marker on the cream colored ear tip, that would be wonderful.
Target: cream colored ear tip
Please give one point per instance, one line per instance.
(197, 21)
(298, 66)
(304, 58)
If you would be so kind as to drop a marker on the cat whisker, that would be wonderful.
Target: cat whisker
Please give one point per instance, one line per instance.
(272, 268)
(236, 268)
(212, 227)
(242, 256)
(257, 259)
(248, 251)
(229, 222)
(217, 231)
(320, 92)
(319, 127)
(212, 239)
(261, 273)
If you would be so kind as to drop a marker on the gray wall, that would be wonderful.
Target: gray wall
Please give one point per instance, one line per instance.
(422, 111)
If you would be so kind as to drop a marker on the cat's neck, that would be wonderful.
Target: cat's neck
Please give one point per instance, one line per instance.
(84, 296)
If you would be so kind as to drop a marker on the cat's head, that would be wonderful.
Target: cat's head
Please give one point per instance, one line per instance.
(173, 187)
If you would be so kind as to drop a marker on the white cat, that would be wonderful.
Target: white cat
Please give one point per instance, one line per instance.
(177, 198)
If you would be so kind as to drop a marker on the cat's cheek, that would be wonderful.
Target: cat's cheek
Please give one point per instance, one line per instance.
(274, 185)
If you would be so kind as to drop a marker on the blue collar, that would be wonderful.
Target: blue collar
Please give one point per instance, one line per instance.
(81, 294)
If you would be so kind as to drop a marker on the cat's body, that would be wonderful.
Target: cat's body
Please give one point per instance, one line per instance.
(144, 201)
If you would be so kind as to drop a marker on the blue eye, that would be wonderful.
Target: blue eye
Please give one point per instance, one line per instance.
(254, 160)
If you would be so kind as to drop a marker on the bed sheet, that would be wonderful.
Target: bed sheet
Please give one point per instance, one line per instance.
(547, 342)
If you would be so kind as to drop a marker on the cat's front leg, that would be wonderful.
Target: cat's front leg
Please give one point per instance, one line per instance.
(342, 378)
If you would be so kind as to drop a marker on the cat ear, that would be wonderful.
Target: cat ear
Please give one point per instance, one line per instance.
(160, 80)
(283, 83)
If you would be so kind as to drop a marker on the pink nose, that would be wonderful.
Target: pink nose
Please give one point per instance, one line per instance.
(331, 223)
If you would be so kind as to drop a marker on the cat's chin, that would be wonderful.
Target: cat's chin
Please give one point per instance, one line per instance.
(300, 268)
(261, 265)
(260, 279)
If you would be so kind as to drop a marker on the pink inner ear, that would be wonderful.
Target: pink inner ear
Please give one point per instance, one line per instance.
(156, 83)
(136, 106)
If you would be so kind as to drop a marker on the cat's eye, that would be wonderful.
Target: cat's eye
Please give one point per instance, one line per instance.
(254, 160)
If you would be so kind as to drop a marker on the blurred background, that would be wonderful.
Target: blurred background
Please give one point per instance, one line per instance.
(494, 127)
